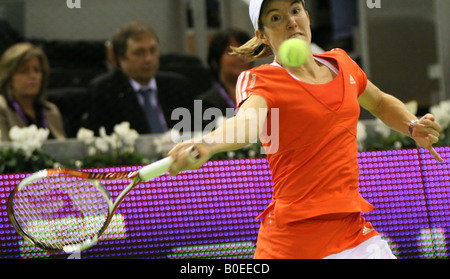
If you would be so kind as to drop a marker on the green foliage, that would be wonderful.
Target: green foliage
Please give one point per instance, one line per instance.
(16, 161)
(393, 141)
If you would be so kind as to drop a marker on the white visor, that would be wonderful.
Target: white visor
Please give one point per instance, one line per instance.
(254, 11)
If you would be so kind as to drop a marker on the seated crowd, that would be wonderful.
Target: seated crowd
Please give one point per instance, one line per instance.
(63, 86)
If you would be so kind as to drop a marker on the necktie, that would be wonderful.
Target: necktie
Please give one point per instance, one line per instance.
(153, 112)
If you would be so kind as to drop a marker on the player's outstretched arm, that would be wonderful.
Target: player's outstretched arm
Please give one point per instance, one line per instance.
(394, 114)
(235, 133)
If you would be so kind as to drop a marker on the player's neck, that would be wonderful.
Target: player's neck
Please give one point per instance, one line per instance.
(312, 72)
(309, 69)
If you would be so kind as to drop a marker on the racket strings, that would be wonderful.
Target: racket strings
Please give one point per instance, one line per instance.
(56, 212)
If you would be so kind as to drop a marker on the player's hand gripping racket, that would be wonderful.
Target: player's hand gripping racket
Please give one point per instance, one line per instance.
(68, 210)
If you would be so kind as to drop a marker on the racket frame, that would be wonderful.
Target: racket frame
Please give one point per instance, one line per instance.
(146, 173)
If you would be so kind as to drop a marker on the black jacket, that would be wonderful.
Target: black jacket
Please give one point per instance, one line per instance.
(113, 101)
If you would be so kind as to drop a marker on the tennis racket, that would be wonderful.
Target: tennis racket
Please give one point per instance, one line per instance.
(65, 210)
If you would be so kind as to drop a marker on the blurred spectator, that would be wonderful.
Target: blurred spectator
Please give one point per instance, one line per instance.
(225, 69)
(136, 91)
(24, 71)
(344, 18)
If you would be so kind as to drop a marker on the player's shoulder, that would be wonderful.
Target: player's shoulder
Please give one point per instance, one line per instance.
(265, 70)
(334, 53)
(337, 54)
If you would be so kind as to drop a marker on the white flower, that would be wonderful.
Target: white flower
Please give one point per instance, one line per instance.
(412, 107)
(42, 135)
(122, 129)
(78, 164)
(92, 150)
(102, 132)
(382, 128)
(175, 136)
(126, 136)
(441, 113)
(86, 136)
(165, 142)
(112, 140)
(361, 135)
(231, 154)
(101, 144)
(252, 154)
(28, 139)
(122, 139)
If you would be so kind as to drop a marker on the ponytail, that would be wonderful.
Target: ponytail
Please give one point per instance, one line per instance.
(253, 49)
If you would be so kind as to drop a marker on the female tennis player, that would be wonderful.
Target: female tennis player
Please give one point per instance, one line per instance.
(316, 207)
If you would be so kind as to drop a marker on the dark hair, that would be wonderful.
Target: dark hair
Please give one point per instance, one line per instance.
(220, 44)
(130, 31)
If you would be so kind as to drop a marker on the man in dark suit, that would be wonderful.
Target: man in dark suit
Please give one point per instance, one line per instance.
(137, 92)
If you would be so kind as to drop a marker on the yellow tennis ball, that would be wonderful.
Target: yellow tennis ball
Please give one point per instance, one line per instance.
(294, 52)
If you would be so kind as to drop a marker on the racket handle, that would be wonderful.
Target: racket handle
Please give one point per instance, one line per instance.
(162, 166)
(155, 169)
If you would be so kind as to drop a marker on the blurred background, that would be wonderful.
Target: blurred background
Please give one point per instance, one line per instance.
(403, 45)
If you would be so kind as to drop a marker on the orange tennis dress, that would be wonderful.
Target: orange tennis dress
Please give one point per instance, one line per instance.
(316, 206)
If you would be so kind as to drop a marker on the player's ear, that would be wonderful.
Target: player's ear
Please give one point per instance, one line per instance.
(262, 36)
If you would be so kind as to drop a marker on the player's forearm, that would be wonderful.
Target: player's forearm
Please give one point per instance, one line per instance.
(234, 134)
(394, 113)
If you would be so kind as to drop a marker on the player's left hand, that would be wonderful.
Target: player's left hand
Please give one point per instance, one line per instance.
(426, 132)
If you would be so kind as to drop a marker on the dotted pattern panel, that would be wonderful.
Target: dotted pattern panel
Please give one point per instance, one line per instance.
(210, 213)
